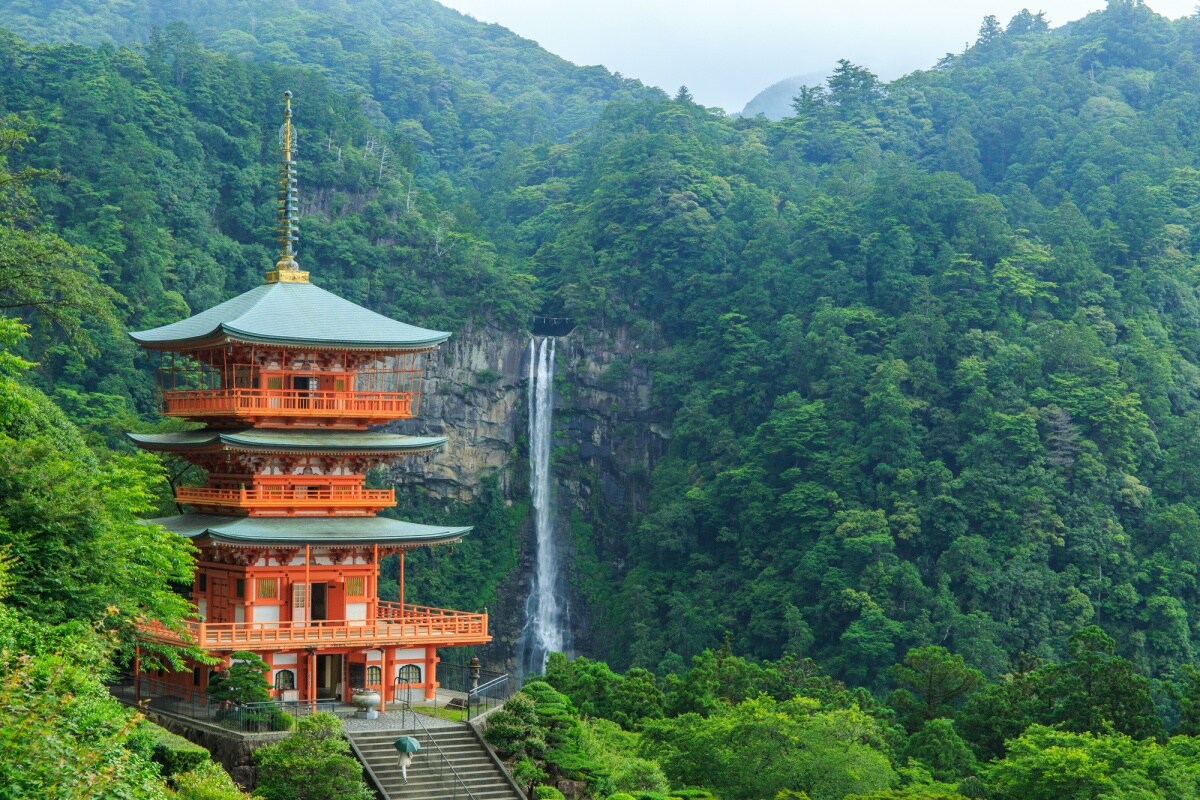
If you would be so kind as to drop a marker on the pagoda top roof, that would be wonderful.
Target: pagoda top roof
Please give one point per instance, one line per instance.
(284, 440)
(296, 314)
(323, 531)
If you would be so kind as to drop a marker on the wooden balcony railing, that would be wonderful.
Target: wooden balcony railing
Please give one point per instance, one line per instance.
(287, 403)
(396, 626)
(281, 499)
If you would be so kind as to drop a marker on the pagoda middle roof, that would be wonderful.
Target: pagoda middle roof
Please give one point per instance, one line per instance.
(324, 531)
(282, 440)
(298, 314)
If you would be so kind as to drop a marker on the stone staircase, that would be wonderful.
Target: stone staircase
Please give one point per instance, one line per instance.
(452, 765)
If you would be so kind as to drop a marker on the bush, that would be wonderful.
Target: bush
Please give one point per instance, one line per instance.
(639, 775)
(174, 753)
(314, 763)
(207, 782)
(513, 729)
(245, 681)
(548, 793)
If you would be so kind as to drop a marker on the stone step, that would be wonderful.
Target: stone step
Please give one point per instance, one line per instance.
(391, 737)
(429, 775)
(445, 752)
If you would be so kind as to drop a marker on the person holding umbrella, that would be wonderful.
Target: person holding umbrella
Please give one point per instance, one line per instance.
(406, 748)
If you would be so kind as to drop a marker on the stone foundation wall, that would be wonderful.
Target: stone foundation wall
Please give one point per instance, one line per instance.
(232, 750)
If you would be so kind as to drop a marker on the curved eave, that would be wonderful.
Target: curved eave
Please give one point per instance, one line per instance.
(300, 315)
(431, 541)
(315, 443)
(318, 531)
(225, 334)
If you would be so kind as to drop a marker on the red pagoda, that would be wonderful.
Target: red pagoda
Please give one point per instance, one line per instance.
(288, 380)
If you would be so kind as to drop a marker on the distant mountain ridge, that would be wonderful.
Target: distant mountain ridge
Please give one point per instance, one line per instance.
(775, 101)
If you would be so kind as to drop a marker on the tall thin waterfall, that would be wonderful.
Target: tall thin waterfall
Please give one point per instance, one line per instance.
(546, 613)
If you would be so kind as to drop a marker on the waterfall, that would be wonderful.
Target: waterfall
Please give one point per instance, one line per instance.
(545, 629)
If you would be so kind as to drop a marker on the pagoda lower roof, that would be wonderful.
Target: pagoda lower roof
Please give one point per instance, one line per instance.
(322, 531)
(281, 440)
(290, 314)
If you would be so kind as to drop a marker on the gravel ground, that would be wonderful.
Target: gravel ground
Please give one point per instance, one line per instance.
(395, 721)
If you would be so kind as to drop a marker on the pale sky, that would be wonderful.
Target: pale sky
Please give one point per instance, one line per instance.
(726, 51)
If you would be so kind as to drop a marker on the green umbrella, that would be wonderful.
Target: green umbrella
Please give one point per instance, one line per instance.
(407, 744)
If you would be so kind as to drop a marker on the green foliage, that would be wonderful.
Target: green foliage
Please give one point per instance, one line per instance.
(314, 763)
(175, 754)
(207, 782)
(939, 748)
(243, 681)
(513, 729)
(1095, 691)
(1045, 763)
(933, 682)
(759, 747)
(547, 793)
(598, 691)
(72, 523)
(62, 736)
(613, 749)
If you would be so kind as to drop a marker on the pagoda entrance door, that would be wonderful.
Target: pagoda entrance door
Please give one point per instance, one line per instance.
(329, 677)
(302, 385)
(320, 606)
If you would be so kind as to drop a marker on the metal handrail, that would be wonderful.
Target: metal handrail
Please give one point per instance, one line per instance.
(477, 694)
(407, 707)
(490, 684)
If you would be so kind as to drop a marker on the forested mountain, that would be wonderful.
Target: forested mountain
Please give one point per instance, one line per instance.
(469, 86)
(928, 349)
(925, 355)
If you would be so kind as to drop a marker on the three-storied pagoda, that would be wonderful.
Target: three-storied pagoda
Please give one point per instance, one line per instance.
(288, 378)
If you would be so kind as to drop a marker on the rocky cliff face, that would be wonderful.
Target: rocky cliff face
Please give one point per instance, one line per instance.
(474, 395)
(607, 439)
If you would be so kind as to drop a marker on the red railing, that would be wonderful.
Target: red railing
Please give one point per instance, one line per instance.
(396, 625)
(283, 497)
(287, 402)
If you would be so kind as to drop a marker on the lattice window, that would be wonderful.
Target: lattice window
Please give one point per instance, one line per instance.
(268, 588)
(374, 676)
(356, 586)
(299, 596)
(239, 587)
(409, 673)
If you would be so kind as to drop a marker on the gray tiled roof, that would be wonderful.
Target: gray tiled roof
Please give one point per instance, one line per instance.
(323, 531)
(289, 441)
(290, 313)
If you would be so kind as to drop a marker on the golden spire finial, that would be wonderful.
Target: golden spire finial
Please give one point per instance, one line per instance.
(286, 269)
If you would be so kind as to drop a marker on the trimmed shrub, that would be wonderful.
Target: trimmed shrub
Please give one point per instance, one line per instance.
(174, 753)
(207, 782)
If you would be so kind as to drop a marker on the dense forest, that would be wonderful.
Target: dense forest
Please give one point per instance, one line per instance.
(929, 350)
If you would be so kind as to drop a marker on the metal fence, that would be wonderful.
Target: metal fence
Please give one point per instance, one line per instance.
(170, 698)
(481, 690)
